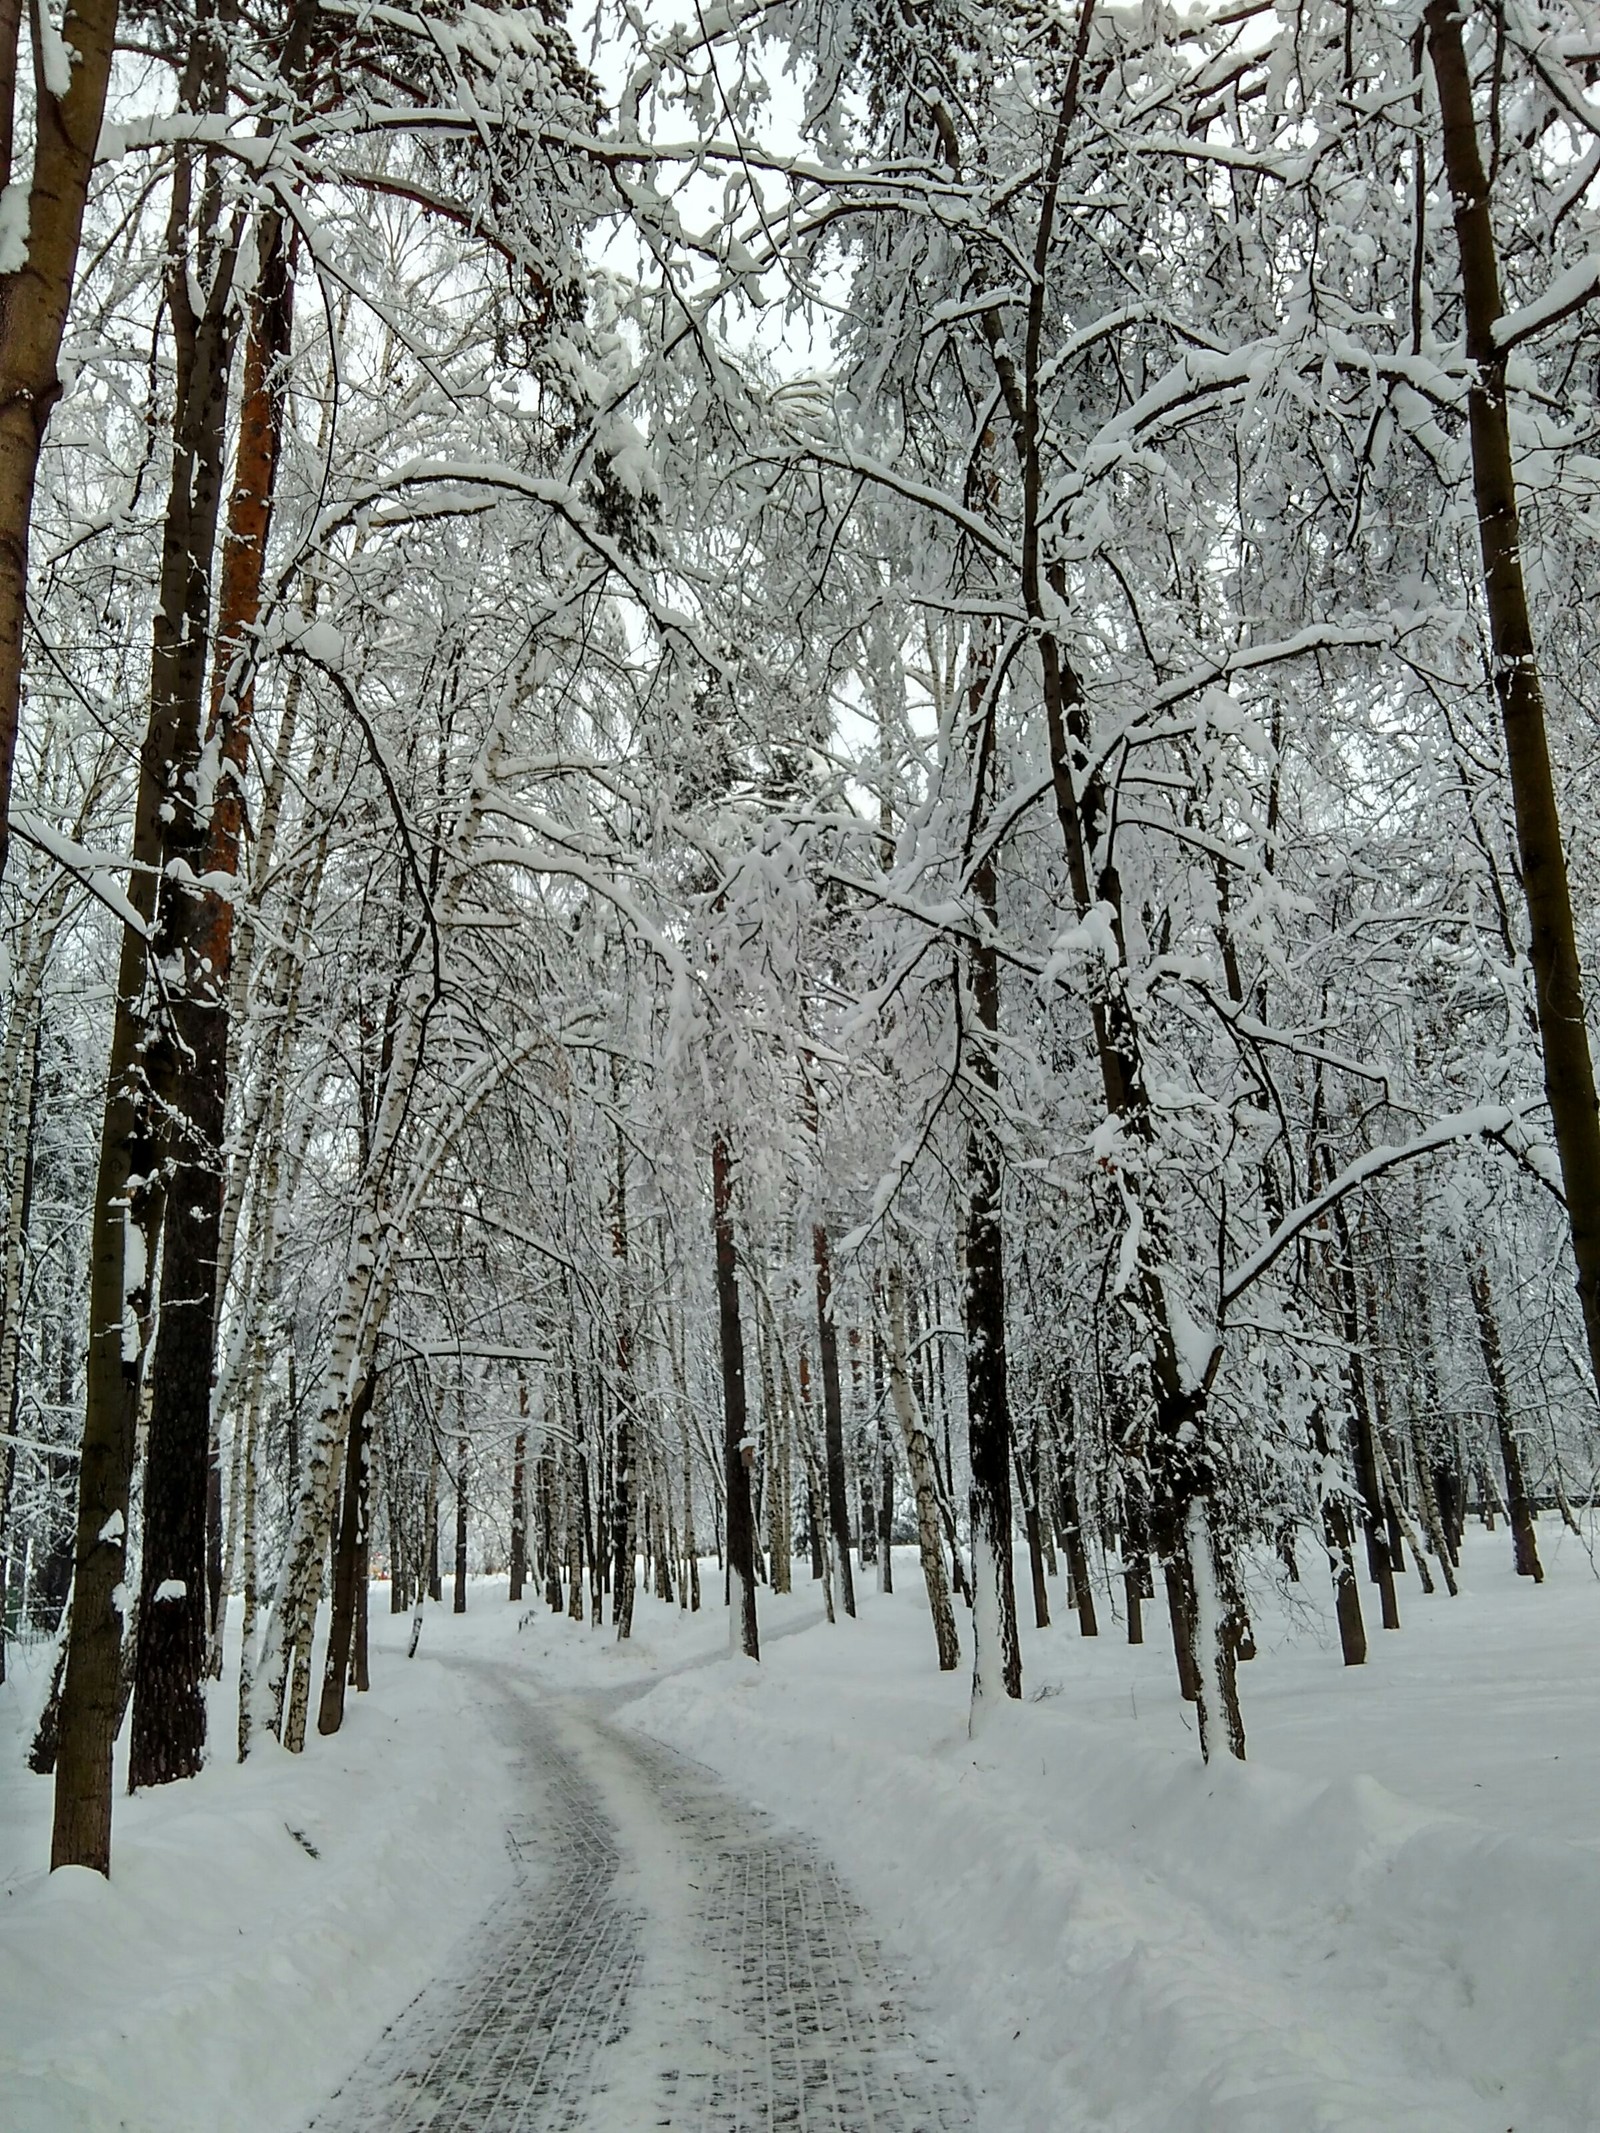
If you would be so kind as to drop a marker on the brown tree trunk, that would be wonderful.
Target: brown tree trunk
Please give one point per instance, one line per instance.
(126, 1220)
(624, 1500)
(1552, 944)
(866, 1440)
(33, 313)
(459, 1598)
(997, 1654)
(833, 1420)
(1078, 1563)
(735, 1437)
(346, 1563)
(1519, 1506)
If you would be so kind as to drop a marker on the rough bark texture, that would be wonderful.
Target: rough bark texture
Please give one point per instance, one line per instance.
(833, 1420)
(1519, 1505)
(346, 1564)
(519, 1511)
(126, 1218)
(1541, 852)
(33, 314)
(735, 1434)
(997, 1654)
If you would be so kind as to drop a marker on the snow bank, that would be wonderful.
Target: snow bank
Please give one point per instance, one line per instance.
(1108, 1935)
(1387, 1922)
(262, 1924)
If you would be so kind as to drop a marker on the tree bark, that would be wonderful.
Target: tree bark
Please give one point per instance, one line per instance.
(924, 1483)
(519, 1512)
(997, 1654)
(459, 1597)
(347, 1564)
(735, 1434)
(1519, 1505)
(624, 1506)
(833, 1420)
(1552, 945)
(33, 313)
(127, 1207)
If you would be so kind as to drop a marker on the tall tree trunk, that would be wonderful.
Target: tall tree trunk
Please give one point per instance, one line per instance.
(459, 1598)
(347, 1562)
(1078, 1559)
(34, 297)
(997, 1654)
(1519, 1505)
(1368, 1481)
(866, 1436)
(1028, 1489)
(126, 1215)
(188, 1061)
(833, 1420)
(780, 1480)
(427, 1587)
(924, 1481)
(1552, 945)
(691, 1558)
(519, 1511)
(1336, 1538)
(736, 1432)
(624, 1501)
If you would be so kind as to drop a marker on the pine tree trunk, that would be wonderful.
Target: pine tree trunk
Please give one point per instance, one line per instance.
(33, 313)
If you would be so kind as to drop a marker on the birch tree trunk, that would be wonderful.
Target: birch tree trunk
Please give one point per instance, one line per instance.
(924, 1483)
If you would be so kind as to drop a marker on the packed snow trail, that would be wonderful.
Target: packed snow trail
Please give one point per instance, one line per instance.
(665, 1957)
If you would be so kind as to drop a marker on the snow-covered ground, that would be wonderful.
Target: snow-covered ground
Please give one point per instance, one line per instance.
(1390, 1919)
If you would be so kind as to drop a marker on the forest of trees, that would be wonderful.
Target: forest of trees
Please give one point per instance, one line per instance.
(822, 779)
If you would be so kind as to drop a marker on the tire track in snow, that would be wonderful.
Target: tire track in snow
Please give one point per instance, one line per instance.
(667, 1958)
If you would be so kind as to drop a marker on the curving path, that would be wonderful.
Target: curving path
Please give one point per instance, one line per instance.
(664, 1956)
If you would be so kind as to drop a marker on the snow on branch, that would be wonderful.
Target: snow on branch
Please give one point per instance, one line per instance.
(1481, 1122)
(83, 865)
(1569, 292)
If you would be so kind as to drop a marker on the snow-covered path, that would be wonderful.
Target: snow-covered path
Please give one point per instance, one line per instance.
(663, 1956)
